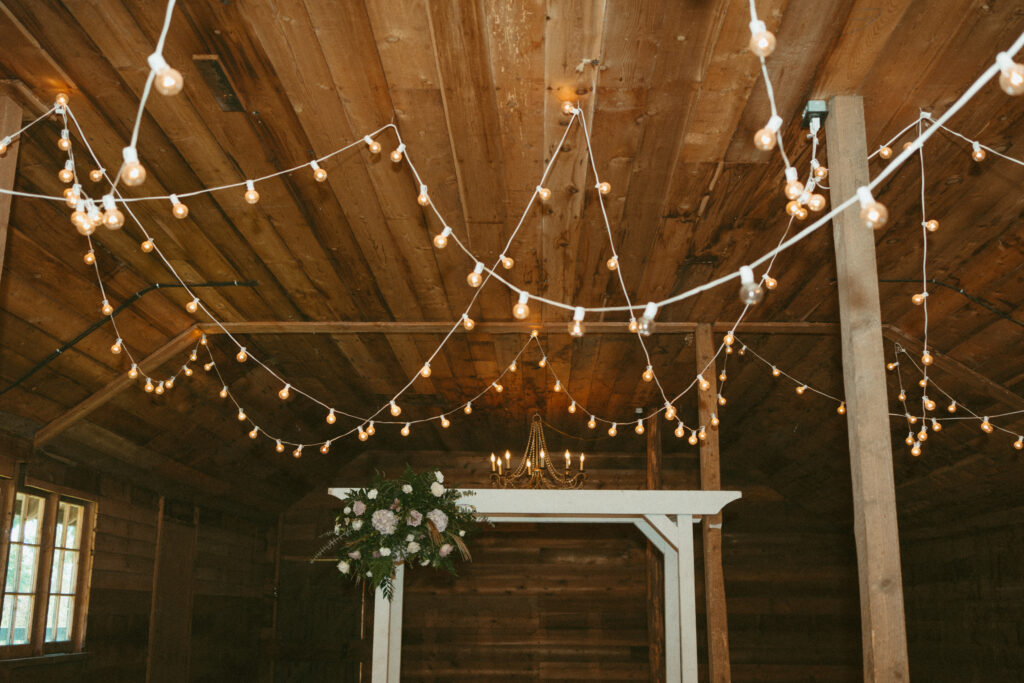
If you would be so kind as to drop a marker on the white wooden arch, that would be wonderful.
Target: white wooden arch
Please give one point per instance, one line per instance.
(664, 517)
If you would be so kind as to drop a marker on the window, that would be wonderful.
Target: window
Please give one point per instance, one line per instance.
(47, 552)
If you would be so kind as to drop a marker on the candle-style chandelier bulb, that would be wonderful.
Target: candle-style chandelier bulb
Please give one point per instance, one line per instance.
(251, 195)
(396, 153)
(977, 153)
(168, 81)
(468, 323)
(1011, 74)
(441, 238)
(613, 430)
(278, 446)
(132, 172)
(639, 429)
(320, 174)
(762, 41)
(372, 144)
(476, 278)
(405, 429)
(423, 198)
(521, 311)
(648, 374)
(645, 326)
(765, 138)
(576, 327)
(750, 291)
(285, 392)
(241, 356)
(591, 423)
(873, 213)
(544, 193)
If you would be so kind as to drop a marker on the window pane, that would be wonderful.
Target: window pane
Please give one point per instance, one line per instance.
(13, 557)
(27, 575)
(33, 518)
(69, 571)
(51, 619)
(58, 537)
(64, 614)
(5, 621)
(55, 572)
(19, 515)
(73, 523)
(22, 619)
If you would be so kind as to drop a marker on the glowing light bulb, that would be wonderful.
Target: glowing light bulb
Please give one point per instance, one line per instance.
(423, 198)
(132, 172)
(703, 383)
(192, 306)
(915, 450)
(951, 407)
(743, 350)
(912, 419)
(241, 415)
(714, 421)
(693, 437)
(209, 366)
(202, 340)
(405, 429)
(591, 423)
(885, 152)
(147, 246)
(149, 386)
(721, 400)
(922, 435)
(319, 174)
(4, 144)
(241, 356)
(395, 409)
(396, 153)
(159, 388)
(568, 108)
(762, 41)
(902, 396)
(613, 430)
(251, 195)
(842, 408)
(633, 325)
(168, 81)
(765, 138)
(468, 323)
(425, 370)
(331, 417)
(639, 429)
(468, 408)
(521, 310)
(278, 446)
(910, 439)
(96, 175)
(750, 292)
(645, 326)
(986, 426)
(926, 358)
(187, 370)
(363, 436)
(680, 430)
(1019, 443)
(558, 385)
(917, 299)
(648, 374)
(729, 339)
(722, 376)
(801, 389)
(476, 278)
(793, 187)
(928, 404)
(891, 366)
(72, 195)
(931, 225)
(254, 433)
(776, 372)
(285, 392)
(702, 434)
(326, 447)
(544, 193)
(445, 422)
(297, 453)
(106, 308)
(513, 366)
(134, 371)
(612, 263)
(977, 153)
(372, 144)
(223, 392)
(816, 202)
(64, 142)
(820, 172)
(370, 429)
(1011, 74)
(604, 187)
(116, 346)
(67, 174)
(498, 387)
(441, 238)
(507, 262)
(873, 213)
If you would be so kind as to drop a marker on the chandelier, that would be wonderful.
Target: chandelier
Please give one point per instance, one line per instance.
(536, 470)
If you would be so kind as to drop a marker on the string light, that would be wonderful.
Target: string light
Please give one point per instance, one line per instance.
(670, 411)
(568, 108)
(254, 432)
(977, 153)
(134, 371)
(612, 263)
(929, 404)
(613, 430)
(507, 262)
(873, 213)
(147, 246)
(513, 366)
(64, 141)
(1011, 74)
(721, 400)
(297, 453)
(149, 386)
(445, 422)
(241, 415)
(159, 388)
(468, 408)
(132, 172)
(842, 408)
(951, 407)
(1019, 443)
(572, 407)
(776, 372)
(986, 426)
(396, 153)
(370, 429)
(168, 81)
(285, 392)
(96, 175)
(693, 439)
(425, 370)
(639, 429)
(441, 238)
(591, 423)
(498, 387)
(178, 209)
(604, 187)
(544, 193)
(320, 174)
(762, 41)
(766, 138)
(396, 410)
(475, 278)
(885, 151)
(801, 389)
(208, 366)
(931, 225)
(279, 447)
(936, 425)
(363, 436)
(193, 305)
(105, 308)
(67, 174)
(648, 374)
(750, 292)
(576, 327)
(645, 326)
(241, 356)
(326, 447)
(423, 199)
(703, 383)
(521, 310)
(558, 386)
(468, 323)
(372, 144)
(405, 429)
(251, 195)
(224, 391)
(115, 348)
(331, 417)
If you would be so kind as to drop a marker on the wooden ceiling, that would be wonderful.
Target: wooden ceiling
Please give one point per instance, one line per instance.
(672, 97)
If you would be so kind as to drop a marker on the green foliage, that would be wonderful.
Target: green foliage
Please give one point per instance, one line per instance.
(413, 519)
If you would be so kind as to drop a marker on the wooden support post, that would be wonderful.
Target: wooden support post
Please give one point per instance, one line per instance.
(655, 565)
(10, 121)
(883, 630)
(711, 526)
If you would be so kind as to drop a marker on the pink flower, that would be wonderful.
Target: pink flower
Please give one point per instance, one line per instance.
(445, 550)
(396, 505)
(359, 507)
(355, 555)
(384, 521)
(439, 519)
(415, 518)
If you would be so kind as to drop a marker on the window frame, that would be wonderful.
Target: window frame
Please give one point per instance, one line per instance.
(52, 496)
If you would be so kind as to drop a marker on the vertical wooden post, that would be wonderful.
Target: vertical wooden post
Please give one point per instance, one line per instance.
(10, 121)
(655, 564)
(711, 526)
(883, 630)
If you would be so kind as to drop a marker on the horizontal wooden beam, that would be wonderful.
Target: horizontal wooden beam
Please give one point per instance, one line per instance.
(173, 347)
(557, 327)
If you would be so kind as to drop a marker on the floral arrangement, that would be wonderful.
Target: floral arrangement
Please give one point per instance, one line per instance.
(413, 519)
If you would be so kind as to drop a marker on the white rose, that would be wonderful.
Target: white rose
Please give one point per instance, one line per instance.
(437, 489)
(440, 477)
(343, 567)
(369, 574)
(357, 525)
(462, 532)
(409, 537)
(384, 552)
(406, 488)
(413, 547)
(372, 494)
(338, 528)
(348, 510)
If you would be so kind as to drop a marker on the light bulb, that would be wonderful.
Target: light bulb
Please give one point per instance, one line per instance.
(297, 453)
(801, 389)
(762, 41)
(370, 429)
(208, 366)
(936, 425)
(423, 198)
(498, 387)
(513, 366)
(728, 339)
(793, 189)
(326, 447)
(926, 358)
(679, 431)
(363, 436)
(572, 407)
(639, 429)
(66, 175)
(372, 144)
(558, 385)
(842, 408)
(132, 172)
(986, 426)
(932, 225)
(693, 437)
(648, 374)
(604, 187)
(922, 435)
(917, 299)
(612, 263)
(425, 370)
(116, 346)
(714, 421)
(468, 323)
(251, 195)
(910, 439)
(923, 382)
(1019, 443)
(146, 246)
(743, 350)
(82, 224)
(223, 392)
(951, 407)
(801, 214)
(816, 202)
(507, 262)
(192, 306)
(331, 417)
(534, 334)
(441, 238)
(873, 213)
(319, 174)
(820, 173)
(202, 340)
(764, 139)
(885, 152)
(702, 434)
(929, 404)
(576, 328)
(159, 388)
(750, 292)
(776, 372)
(241, 415)
(405, 429)
(4, 144)
(891, 366)
(468, 408)
(645, 326)
(977, 153)
(285, 392)
(544, 193)
(521, 310)
(96, 175)
(721, 400)
(178, 210)
(915, 450)
(395, 409)
(279, 447)
(475, 277)
(241, 356)
(396, 153)
(792, 207)
(64, 142)
(72, 195)
(1011, 75)
(567, 108)
(703, 383)
(613, 430)
(149, 386)
(445, 422)
(254, 433)
(591, 423)
(169, 383)
(912, 419)
(187, 370)
(633, 325)
(106, 308)
(134, 371)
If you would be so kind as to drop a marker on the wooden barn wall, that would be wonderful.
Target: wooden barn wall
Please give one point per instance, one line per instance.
(228, 579)
(963, 583)
(568, 601)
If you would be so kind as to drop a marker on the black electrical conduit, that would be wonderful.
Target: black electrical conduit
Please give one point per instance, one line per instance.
(130, 301)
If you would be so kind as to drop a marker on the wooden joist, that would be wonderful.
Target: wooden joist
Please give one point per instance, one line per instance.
(10, 121)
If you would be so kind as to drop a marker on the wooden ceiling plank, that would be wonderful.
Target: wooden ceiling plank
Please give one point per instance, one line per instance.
(10, 121)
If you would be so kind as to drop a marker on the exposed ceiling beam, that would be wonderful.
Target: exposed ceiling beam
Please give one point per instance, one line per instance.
(558, 327)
